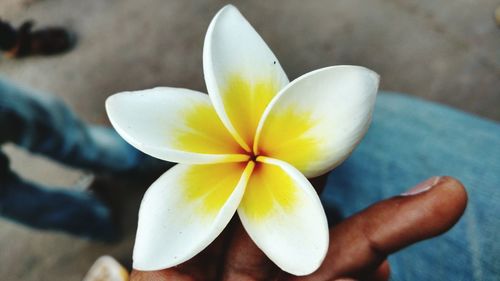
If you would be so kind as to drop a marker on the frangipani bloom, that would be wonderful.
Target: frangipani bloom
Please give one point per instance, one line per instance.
(247, 147)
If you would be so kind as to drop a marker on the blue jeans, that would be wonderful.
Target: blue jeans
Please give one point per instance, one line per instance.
(43, 124)
(411, 140)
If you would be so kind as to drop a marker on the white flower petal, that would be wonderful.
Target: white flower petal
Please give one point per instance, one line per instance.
(319, 118)
(172, 124)
(185, 210)
(283, 215)
(241, 72)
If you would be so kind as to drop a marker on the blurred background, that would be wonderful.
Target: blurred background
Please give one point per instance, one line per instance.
(444, 51)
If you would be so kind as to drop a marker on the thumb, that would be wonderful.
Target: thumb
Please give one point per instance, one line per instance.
(361, 243)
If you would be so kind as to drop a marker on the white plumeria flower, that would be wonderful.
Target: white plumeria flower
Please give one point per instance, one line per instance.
(249, 146)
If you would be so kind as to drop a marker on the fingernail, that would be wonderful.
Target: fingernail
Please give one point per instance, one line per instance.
(422, 187)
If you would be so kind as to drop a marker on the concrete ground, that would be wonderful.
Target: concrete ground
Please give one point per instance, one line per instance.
(445, 51)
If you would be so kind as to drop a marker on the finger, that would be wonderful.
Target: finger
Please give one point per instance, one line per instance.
(382, 273)
(361, 243)
(160, 275)
(245, 261)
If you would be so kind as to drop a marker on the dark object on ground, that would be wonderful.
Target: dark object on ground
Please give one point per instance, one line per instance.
(25, 42)
(8, 36)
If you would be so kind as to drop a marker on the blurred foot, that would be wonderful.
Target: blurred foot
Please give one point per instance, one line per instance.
(8, 38)
(44, 41)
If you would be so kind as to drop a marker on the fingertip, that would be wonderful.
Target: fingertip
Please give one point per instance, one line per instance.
(457, 191)
(445, 204)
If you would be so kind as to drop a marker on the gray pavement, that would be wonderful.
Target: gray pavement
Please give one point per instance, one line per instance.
(445, 51)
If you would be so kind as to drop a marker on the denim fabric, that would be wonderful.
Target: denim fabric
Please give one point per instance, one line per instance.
(409, 141)
(73, 212)
(44, 125)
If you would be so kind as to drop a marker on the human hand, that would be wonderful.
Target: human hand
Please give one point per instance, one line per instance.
(358, 248)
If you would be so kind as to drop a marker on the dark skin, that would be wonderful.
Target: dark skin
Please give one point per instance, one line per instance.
(359, 245)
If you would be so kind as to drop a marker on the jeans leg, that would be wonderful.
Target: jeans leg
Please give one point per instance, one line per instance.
(73, 212)
(44, 124)
(409, 141)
